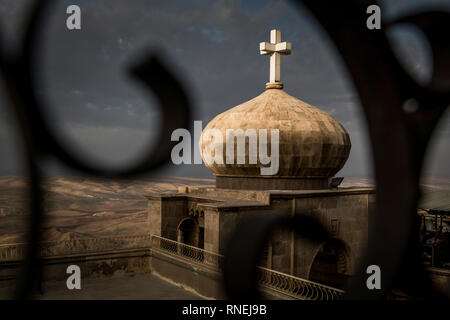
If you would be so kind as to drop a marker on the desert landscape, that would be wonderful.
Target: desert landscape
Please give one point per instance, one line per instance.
(80, 207)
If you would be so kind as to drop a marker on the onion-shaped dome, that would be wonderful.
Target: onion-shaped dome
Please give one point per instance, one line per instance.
(313, 146)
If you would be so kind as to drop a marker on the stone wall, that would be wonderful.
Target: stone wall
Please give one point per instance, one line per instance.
(347, 218)
(221, 194)
(174, 210)
(345, 212)
(154, 216)
(204, 280)
(165, 213)
(230, 216)
(92, 265)
(212, 230)
(440, 279)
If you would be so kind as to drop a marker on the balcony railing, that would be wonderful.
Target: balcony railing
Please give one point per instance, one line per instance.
(188, 252)
(16, 252)
(286, 284)
(295, 287)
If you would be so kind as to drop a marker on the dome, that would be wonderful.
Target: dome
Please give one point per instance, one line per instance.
(313, 146)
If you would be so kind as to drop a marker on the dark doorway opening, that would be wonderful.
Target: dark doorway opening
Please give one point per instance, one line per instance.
(201, 238)
(330, 265)
(188, 232)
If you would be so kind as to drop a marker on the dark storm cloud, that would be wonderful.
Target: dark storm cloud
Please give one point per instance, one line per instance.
(213, 45)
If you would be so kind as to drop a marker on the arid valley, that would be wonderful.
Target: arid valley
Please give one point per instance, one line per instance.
(77, 207)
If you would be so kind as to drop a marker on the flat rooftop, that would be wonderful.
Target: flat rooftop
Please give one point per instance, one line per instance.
(124, 287)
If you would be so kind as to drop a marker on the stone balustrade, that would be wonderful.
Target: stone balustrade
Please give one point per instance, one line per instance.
(295, 287)
(16, 252)
(188, 252)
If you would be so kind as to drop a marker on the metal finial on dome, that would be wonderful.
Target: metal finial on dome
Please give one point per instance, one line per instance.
(275, 48)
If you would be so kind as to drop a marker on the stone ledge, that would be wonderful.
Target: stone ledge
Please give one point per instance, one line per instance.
(230, 204)
(327, 192)
(439, 271)
(180, 261)
(218, 195)
(202, 279)
(85, 256)
(54, 266)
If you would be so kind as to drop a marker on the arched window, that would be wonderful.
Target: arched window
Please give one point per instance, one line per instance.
(188, 232)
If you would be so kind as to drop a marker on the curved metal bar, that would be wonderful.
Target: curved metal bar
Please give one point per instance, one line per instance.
(170, 93)
(40, 141)
(432, 23)
(399, 142)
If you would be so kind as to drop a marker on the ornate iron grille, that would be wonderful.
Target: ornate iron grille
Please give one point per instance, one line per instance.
(399, 142)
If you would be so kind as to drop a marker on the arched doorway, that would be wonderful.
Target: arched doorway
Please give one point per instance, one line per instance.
(331, 265)
(190, 233)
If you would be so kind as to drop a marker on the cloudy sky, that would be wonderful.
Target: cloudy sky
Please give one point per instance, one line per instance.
(213, 46)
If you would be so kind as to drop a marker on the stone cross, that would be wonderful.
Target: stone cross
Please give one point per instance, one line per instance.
(275, 48)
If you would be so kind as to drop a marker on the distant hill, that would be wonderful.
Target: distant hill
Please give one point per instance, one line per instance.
(78, 207)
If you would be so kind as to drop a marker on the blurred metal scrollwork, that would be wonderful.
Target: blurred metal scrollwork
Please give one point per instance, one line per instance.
(18, 74)
(399, 142)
